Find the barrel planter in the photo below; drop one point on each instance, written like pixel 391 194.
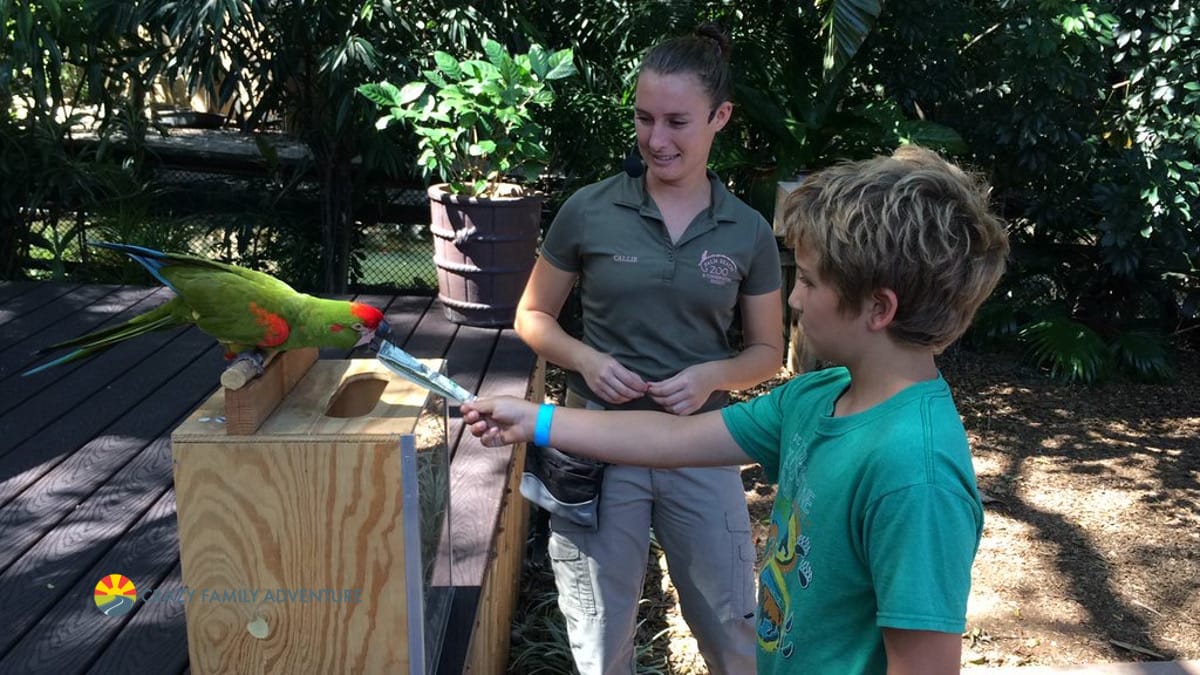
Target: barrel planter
pixel 484 249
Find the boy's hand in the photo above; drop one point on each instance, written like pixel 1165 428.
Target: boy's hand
pixel 684 392
pixel 502 420
pixel 611 381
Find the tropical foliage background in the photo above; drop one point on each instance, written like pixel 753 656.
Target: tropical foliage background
pixel 1085 117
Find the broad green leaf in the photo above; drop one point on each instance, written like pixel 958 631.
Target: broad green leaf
pixel 383 94
pixel 481 148
pixel 1070 349
pixel 448 65
pixel 846 25
pixel 539 62
pixel 496 53
pixel 561 64
pixel 411 92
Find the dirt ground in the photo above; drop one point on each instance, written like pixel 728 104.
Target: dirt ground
pixel 1091 545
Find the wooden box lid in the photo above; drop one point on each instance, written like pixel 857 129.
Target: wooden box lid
pixel 354 400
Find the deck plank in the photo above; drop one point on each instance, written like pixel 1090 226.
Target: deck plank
pixel 74 632
pixel 478 474
pixel 39 309
pixel 44 504
pixel 11 289
pixel 432 336
pixel 466 361
pixel 140 388
pixel 45 572
pixel 405 314
pixel 34 298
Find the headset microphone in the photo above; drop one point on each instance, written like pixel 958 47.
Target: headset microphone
pixel 633 165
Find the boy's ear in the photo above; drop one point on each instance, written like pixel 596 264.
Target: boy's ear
pixel 881 309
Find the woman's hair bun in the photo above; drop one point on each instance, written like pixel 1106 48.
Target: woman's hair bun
pixel 714 32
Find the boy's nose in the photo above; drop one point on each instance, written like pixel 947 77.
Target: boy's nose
pixel 793 300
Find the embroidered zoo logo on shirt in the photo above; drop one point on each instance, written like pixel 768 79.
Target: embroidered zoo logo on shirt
pixel 717 268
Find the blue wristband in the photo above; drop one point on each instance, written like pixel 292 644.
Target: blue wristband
pixel 541 428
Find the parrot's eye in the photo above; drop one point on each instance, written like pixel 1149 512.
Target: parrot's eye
pixel 358 326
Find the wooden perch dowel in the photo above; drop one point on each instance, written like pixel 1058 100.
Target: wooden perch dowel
pixel 242 371
pixel 247 407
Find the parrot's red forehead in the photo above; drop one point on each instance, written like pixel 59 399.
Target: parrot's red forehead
pixel 369 315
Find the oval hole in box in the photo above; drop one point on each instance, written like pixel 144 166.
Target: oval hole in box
pixel 356 396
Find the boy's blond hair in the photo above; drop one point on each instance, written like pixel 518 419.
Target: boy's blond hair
pixel 913 223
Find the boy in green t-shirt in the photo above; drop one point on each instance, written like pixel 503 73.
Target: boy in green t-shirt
pixel 877 518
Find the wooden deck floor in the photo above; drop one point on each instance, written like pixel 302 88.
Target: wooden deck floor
pixel 86 479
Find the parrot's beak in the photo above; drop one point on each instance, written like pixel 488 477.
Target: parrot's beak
pixel 373 338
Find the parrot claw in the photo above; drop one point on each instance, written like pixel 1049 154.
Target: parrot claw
pixel 254 357
pixel 244 367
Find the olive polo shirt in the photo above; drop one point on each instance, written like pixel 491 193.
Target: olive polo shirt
pixel 657 306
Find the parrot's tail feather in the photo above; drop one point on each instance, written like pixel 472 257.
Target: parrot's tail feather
pixel 159 318
pixel 77 354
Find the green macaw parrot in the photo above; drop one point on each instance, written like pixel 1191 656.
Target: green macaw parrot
pixel 243 309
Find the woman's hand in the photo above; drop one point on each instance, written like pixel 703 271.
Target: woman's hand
pixel 683 393
pixel 503 420
pixel 611 381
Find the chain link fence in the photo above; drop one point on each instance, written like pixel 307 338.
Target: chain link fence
pixel 246 218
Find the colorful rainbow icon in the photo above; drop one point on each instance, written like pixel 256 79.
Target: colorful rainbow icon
pixel 115 595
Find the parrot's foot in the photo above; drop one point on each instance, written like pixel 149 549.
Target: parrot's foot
pixel 244 367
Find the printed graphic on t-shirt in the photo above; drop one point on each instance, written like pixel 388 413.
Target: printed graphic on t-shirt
pixel 786 568
pixel 717 268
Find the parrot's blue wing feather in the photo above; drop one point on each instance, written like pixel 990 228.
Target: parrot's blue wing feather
pixel 147 257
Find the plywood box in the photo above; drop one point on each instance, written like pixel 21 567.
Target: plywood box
pixel 310 545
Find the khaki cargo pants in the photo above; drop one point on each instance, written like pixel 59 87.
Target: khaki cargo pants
pixel 700 519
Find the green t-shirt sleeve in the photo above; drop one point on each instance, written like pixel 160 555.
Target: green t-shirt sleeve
pixel 561 245
pixel 756 425
pixel 920 542
pixel 765 274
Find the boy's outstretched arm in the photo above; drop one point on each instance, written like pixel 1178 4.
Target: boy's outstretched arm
pixel 621 437
pixel 921 652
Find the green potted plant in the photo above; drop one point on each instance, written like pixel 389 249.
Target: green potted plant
pixel 477 134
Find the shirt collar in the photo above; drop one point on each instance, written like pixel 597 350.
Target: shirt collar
pixel 631 193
